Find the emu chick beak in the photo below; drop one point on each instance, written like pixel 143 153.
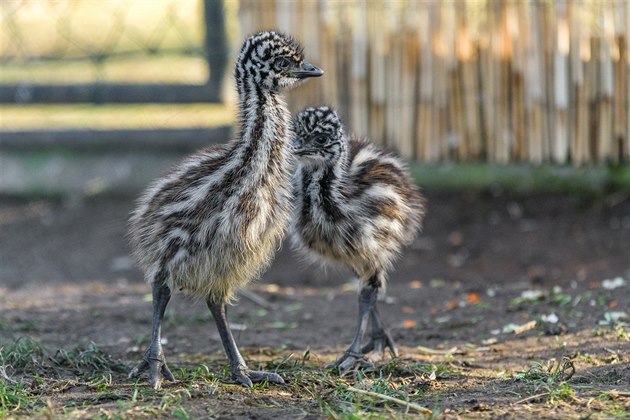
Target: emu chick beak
pixel 307 70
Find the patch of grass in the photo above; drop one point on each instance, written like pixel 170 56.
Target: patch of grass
pixel 550 378
pixel 90 357
pixel 522 178
pixel 22 325
pixel 391 387
pixel 612 406
pixel 200 373
pixel 622 331
pixel 23 353
pixel 13 397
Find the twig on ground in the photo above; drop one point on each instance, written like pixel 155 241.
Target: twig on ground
pixel 3 374
pixel 257 299
pixel 427 350
pixel 532 397
pixel 416 407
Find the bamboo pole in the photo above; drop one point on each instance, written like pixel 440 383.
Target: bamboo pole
pixel 507 21
pixel 548 36
pixel 408 82
pixel 359 67
pixel 561 92
pixel 468 54
pixel 284 16
pixel 626 14
pixel 489 88
pixel 519 43
pixel 456 146
pixel 343 50
pixel 440 94
pixel 267 14
pixel 327 52
pixel 605 115
pixel 579 51
pixel 463 52
pixel 425 140
pixel 591 86
pixel 622 91
pixel 377 51
pixel 627 101
pixel 534 90
pixel 394 71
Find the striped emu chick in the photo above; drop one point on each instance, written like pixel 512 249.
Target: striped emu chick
pixel 356 205
pixel 213 223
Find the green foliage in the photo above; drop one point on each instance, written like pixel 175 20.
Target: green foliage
pixel 13 397
pixel 551 378
pixel 23 353
pixel 88 358
pixel 521 178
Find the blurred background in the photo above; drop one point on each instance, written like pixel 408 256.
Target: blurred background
pixel 99 97
pixel 480 80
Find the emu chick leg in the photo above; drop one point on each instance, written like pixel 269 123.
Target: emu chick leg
pixel 153 358
pixel 240 372
pixel 353 356
pixel 380 339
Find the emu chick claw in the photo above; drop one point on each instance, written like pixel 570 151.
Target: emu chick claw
pixel 158 370
pixel 248 378
pixel 350 361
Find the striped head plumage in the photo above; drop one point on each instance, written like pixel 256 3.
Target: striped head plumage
pixel 272 61
pixel 319 136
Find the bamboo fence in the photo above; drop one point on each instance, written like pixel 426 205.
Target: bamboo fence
pixel 496 80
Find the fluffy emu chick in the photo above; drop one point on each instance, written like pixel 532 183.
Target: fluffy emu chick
pixel 355 205
pixel 213 223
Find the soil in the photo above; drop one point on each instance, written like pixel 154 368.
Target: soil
pixel 498 286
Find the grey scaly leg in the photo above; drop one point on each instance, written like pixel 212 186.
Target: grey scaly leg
pixel 153 358
pixel 353 356
pixel 380 339
pixel 240 372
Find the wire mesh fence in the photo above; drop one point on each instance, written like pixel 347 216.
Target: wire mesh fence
pixel 97 33
pixel 502 80
pixel 98 42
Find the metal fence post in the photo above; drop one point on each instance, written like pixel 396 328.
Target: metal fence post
pixel 216 44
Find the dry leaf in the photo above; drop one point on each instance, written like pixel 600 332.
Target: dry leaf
pixel 452 304
pixel 409 323
pixel 525 327
pixel 473 297
pixel 407 310
pixel 416 284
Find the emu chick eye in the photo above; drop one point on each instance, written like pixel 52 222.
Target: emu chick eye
pixel 282 63
pixel 320 140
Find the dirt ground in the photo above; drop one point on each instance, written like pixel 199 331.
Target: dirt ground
pixel 506 306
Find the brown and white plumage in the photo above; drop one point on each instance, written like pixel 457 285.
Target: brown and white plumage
pixel 355 205
pixel 213 223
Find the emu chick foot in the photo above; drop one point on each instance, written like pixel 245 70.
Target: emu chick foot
pixel 154 361
pixel 378 343
pixel 248 377
pixel 351 360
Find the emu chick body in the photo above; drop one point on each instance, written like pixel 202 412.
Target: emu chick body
pixel 355 205
pixel 213 223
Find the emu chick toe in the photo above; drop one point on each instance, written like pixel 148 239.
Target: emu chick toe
pixel 350 361
pixel 248 377
pixel 157 368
